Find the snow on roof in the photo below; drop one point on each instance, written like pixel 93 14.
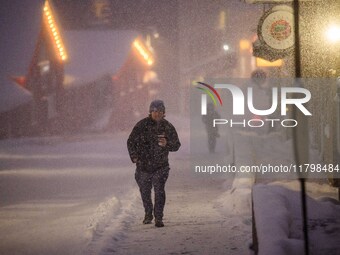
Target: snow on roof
pixel 95 53
pixel 13 96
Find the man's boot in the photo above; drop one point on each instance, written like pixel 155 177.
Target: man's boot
pixel 159 223
pixel 148 218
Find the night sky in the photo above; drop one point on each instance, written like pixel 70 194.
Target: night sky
pixel 126 14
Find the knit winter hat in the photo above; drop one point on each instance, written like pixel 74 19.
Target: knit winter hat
pixel 157 106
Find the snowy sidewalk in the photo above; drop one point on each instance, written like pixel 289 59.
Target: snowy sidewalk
pixel 195 220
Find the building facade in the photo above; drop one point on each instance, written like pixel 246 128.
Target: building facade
pixel 79 77
pixel 219 39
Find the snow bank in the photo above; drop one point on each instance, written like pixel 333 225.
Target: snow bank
pixel 278 222
pixel 237 200
pixel 319 191
pixel 102 215
pixel 110 222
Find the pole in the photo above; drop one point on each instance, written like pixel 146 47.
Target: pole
pixel 299 137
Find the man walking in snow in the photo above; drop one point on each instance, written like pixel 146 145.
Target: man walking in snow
pixel 149 144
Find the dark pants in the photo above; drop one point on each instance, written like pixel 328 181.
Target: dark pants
pixel 156 180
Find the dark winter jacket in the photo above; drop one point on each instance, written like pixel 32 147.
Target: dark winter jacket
pixel 143 144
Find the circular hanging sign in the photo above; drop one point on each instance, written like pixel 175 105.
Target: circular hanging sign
pixel 276 29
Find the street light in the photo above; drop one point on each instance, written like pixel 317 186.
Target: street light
pixel 332 43
pixel 333 33
pixel 225 47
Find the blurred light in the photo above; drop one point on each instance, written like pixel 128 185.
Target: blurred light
pixel 146 54
pixel 333 34
pixel 20 80
pixel 45 69
pixel 245 44
pixel 150 77
pixel 260 62
pixel 156 35
pixel 222 20
pixel 68 79
pixel 225 47
pixel 332 72
pixel 51 24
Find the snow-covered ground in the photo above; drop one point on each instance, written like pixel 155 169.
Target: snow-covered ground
pixel 57 193
pixel 77 195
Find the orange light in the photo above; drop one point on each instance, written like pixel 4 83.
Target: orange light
pixel 147 56
pixel 245 44
pixel 51 23
pixel 260 62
